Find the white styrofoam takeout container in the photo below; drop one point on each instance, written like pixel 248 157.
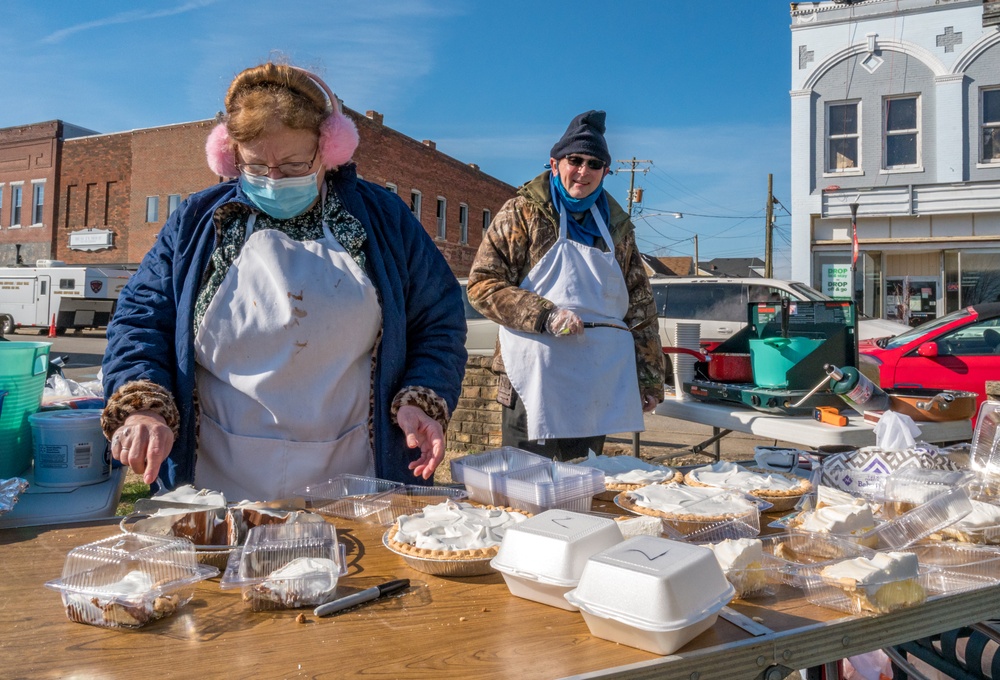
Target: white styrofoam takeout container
pixel 542 558
pixel 651 593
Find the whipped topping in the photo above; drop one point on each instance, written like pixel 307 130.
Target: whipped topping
pixel 193 496
pixel 693 500
pixel 853 518
pixel 919 485
pixel 739 553
pixel 305 580
pixel 872 573
pixel 983 516
pixel 733 476
pixel 133 583
pixel 628 469
pixel 827 495
pixel 456 526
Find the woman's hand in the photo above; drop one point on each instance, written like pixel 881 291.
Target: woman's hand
pixel 423 431
pixel 143 443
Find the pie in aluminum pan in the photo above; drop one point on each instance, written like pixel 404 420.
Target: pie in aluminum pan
pixel 782 489
pixel 624 472
pixel 453 531
pixel 687 508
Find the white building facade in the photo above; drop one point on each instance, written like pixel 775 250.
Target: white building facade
pixel 896 116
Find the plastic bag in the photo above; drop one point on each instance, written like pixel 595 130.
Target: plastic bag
pixel 896 432
pixel 58 387
pixel 871 666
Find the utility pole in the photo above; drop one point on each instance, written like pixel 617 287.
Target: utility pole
pixel 632 168
pixel 697 270
pixel 768 228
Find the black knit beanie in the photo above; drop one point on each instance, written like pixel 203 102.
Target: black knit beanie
pixel 585 135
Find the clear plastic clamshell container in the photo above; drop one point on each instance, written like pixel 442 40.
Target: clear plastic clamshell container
pixel 542 558
pixel 551 486
pixel 284 566
pixel 959 558
pixel 985 454
pixel 942 510
pixel 129 580
pixel 876 596
pixel 651 593
pixel 797 552
pixel 351 497
pixel 482 473
pixel 907 488
pixel 752 571
pixel 410 499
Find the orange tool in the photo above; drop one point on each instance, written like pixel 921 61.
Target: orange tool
pixel 829 415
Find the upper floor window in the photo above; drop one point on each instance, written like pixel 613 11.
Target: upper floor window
pixel 901 121
pixel 463 223
pixel 16 194
pixel 391 187
pixel 487 218
pixel 415 199
pixel 173 202
pixel 991 125
pixel 843 137
pixel 152 208
pixel 442 210
pixel 37 201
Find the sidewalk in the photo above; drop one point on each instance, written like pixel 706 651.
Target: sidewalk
pixel 665 436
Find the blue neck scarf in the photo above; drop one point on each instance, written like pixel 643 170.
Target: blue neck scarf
pixel 585 230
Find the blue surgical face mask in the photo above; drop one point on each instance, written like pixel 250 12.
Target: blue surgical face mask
pixel 281 198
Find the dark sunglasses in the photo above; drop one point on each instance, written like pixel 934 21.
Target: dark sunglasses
pixel 592 163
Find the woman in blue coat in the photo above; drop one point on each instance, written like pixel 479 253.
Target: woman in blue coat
pixel 319 326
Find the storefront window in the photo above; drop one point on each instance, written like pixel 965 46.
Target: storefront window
pixel 980 277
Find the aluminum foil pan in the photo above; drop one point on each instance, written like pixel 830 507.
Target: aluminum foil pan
pixel 442 567
pixel 10 490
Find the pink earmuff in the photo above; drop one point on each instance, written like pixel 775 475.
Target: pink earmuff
pixel 338 138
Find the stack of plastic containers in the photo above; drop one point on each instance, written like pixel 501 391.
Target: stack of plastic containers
pixel 482 473
pixel 553 485
pixel 126 581
pixel 283 566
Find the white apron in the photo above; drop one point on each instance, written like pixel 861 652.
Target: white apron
pixel 579 385
pixel 284 368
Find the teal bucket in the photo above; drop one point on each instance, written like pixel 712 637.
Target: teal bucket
pixel 771 358
pixel 23 369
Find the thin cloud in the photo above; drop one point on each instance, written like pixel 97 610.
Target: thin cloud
pixel 124 18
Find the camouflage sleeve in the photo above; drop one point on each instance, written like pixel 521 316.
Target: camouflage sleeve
pixel 496 274
pixel 642 310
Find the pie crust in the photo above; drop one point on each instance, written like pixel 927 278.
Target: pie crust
pixel 468 554
pixel 781 499
pixel 686 522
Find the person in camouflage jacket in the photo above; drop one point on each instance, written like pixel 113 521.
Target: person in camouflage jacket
pixel 521 233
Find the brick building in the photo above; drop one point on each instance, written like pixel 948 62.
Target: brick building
pixel 74 195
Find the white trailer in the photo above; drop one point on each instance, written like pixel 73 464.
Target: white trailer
pixel 79 297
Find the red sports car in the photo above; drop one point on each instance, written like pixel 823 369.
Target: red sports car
pixel 959 351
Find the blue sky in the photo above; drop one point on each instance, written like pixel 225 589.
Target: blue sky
pixel 699 88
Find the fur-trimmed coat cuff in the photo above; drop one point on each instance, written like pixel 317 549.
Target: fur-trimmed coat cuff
pixel 424 398
pixel 139 395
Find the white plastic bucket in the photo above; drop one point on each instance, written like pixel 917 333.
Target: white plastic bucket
pixel 70 448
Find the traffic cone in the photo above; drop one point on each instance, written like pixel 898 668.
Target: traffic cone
pixel 52 327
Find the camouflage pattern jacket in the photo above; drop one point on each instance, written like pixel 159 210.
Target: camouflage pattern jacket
pixel 526 227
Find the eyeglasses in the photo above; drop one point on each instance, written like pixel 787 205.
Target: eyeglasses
pixel 592 163
pixel 292 169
